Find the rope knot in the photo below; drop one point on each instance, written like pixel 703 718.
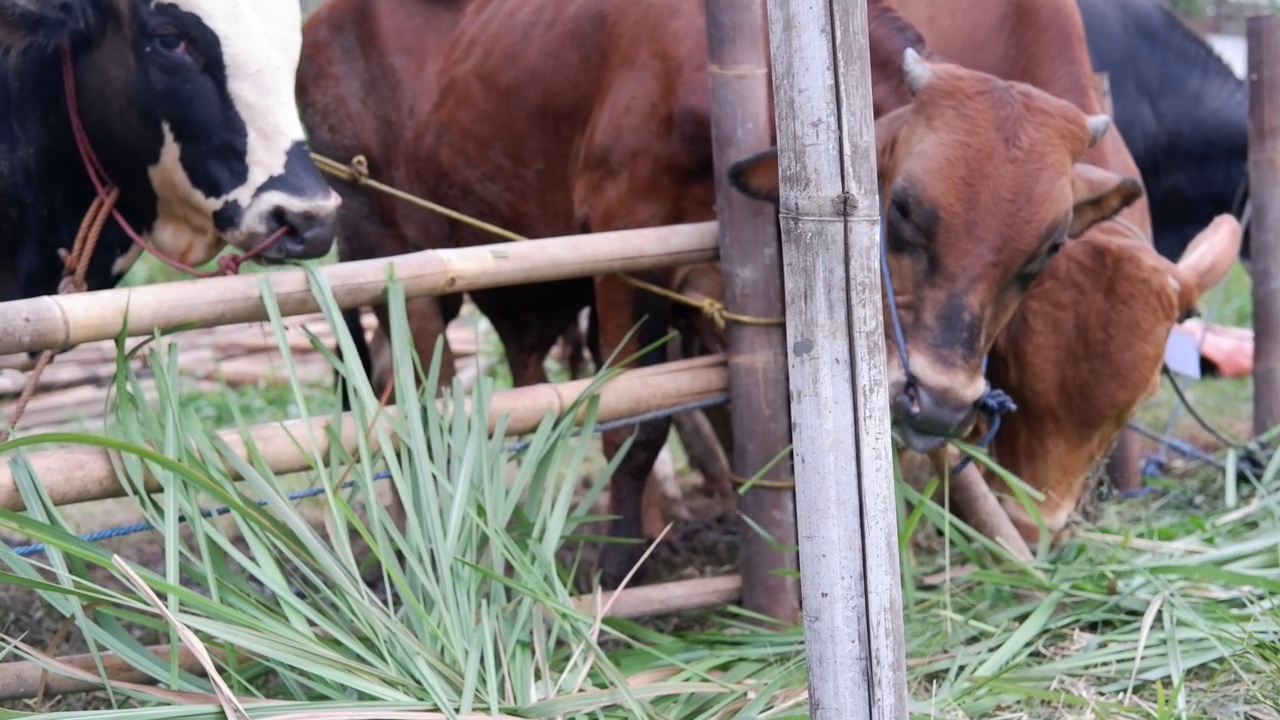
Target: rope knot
pixel 359 168
pixel 714 311
pixel 230 264
pixel 995 402
pixel 71 284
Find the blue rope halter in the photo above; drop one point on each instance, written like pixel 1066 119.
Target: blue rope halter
pixel 993 403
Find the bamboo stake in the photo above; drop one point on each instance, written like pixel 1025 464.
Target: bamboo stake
pixel 20 679
pixel 83 474
pixel 65 320
pixel 1263 32
pixel 741 126
pixel 829 216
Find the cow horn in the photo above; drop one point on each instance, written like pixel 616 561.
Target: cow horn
pixel 916 70
pixel 1098 125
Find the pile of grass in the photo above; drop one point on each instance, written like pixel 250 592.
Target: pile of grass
pixel 468 612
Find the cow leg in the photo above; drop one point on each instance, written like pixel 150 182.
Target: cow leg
pixel 528 336
pixel 351 318
pixel 697 435
pixel 427 321
pixel 619 308
pixel 1124 465
pixel 968 496
pixel 706 455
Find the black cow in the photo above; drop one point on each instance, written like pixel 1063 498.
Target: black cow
pixel 189 104
pixel 1181 110
pixel 32 22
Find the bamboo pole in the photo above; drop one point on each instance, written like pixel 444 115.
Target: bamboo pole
pixel 61 321
pixel 20 679
pixel 742 125
pixel 1263 33
pixel 829 215
pixel 83 474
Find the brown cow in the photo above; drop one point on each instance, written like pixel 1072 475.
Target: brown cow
pixel 622 141
pixel 1085 346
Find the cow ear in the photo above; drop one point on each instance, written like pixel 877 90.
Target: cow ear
pixel 888 129
pixel 1099 195
pixel 757 176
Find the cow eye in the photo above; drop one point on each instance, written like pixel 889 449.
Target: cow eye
pixel 899 210
pixel 170 43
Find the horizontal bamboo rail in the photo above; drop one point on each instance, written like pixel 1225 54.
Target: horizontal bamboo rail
pixel 20 679
pixel 83 474
pixel 61 321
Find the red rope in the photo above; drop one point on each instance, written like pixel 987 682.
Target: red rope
pixel 227 265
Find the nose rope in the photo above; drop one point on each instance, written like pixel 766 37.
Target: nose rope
pixel 227 265
pixel 993 403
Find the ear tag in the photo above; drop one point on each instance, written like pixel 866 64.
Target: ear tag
pixel 1182 353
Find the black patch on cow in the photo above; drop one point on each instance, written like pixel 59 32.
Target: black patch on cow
pixel 957 328
pixel 129 81
pixel 191 96
pixel 228 216
pixel 298 178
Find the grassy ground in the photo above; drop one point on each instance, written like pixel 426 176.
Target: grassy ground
pixel 985 612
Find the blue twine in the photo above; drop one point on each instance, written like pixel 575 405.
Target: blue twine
pixel 137 528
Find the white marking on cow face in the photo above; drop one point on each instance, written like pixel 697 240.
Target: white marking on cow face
pixel 241 188
pixel 184 228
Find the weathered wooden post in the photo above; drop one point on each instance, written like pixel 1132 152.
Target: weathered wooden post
pixel 742 125
pixel 830 220
pixel 1263 33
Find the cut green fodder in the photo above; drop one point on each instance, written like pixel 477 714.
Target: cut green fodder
pixel 468 610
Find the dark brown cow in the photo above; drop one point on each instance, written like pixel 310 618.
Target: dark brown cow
pixel 622 141
pixel 1086 343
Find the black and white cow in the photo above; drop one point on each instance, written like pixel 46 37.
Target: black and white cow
pixel 190 106
pixel 1182 112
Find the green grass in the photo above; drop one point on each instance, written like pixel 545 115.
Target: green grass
pixel 1165 611
pixel 148 270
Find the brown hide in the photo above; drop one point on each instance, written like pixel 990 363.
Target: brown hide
pixel 546 117
pixel 368 67
pixel 1086 346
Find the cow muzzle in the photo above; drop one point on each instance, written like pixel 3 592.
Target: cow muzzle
pixel 924 420
pixel 310 228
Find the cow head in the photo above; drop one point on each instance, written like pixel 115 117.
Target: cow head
pixel 981 185
pixel 190 106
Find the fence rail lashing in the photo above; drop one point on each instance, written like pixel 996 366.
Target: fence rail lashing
pixel 357 172
pixel 141 527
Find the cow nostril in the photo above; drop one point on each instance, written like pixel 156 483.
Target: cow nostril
pixel 310 234
pixel 908 402
pixel 932 413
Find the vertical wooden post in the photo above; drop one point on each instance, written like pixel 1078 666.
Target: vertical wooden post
pixel 1263 33
pixel 741 126
pixel 830 220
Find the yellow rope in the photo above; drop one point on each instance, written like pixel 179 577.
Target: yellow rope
pixel 358 173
